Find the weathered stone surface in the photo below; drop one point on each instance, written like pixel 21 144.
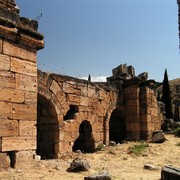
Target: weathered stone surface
pixel 24 112
pixel 27 128
pixel 30 97
pixel 19 51
pixel 5 161
pixel 8 128
pixel 11 95
pixel 17 143
pixel 4 62
pixel 170 173
pixel 143 76
pixel 7 80
pixel 26 83
pixel 158 137
pixel 6 110
pixel 112 143
pixel 24 159
pixel 54 87
pixel 78 165
pixel 23 67
pixel 150 167
pixel 103 175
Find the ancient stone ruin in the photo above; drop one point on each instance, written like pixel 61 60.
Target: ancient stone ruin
pixel 52 115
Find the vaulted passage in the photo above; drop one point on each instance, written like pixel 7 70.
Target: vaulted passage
pixel 117 126
pixel 47 129
pixel 85 141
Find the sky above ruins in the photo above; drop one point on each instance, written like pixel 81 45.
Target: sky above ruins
pixel 94 36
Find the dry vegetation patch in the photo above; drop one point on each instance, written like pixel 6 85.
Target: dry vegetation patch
pixel 120 160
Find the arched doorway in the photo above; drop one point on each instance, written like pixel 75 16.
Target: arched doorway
pixel 117 126
pixel 85 141
pixel 47 129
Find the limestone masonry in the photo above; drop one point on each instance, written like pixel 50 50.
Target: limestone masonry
pixel 52 115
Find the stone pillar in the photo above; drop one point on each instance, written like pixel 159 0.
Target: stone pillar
pixel 19 42
pixel 132 112
pixel 149 114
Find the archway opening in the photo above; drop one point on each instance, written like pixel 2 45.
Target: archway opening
pixel 47 129
pixel 117 126
pixel 85 141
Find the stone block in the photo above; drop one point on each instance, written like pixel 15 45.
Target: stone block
pixel 145 118
pixel 73 98
pixel 84 101
pixel 6 110
pixel 132 118
pixel 7 81
pixel 17 143
pixel 26 83
pixel 8 128
pixel 19 51
pixel 170 173
pixel 97 127
pixel 5 161
pixel 1 45
pixel 24 159
pixel 70 89
pixel 23 67
pixel 11 95
pixel 92 92
pixel 4 62
pixel 24 112
pixel 30 97
pixel 27 128
pixel 55 87
pixel 132 110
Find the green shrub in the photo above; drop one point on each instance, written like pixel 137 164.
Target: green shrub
pixel 176 132
pixel 138 148
pixel 100 147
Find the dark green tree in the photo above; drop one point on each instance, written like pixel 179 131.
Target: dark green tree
pixel 158 96
pixel 166 96
pixel 176 113
pixel 89 78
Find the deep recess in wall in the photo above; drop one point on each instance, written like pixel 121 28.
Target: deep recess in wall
pixel 47 129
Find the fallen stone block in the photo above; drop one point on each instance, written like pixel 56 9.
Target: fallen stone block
pixel 79 164
pixel 103 175
pixel 170 173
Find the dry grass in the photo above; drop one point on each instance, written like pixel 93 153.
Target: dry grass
pixel 121 164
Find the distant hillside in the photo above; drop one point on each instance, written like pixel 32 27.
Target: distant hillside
pixel 175 89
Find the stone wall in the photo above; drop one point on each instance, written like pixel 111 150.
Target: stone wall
pixel 52 115
pixel 75 101
pixel 19 42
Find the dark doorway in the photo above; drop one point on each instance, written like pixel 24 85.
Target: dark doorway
pixel 117 126
pixel 47 129
pixel 85 141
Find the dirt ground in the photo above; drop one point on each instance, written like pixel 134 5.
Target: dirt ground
pixel 121 164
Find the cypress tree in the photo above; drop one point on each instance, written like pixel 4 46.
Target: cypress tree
pixel 166 96
pixel 89 78
pixel 176 113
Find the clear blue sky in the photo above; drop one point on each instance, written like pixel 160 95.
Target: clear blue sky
pixel 94 36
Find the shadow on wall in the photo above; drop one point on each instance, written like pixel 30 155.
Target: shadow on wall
pixel 117 126
pixel 85 141
pixel 47 129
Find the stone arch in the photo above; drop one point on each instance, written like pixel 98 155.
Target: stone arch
pixel 85 142
pixel 117 126
pixel 47 129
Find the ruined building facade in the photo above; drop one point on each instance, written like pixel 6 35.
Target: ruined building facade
pixel 51 115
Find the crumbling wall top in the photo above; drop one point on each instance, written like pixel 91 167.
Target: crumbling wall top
pixel 19 29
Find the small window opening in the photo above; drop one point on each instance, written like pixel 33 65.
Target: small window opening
pixel 72 111
pixel 12 156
